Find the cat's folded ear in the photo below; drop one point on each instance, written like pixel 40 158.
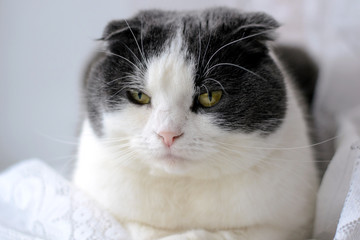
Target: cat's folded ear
pixel 251 27
pixel 258 25
pixel 120 29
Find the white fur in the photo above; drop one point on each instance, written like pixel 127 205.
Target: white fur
pixel 212 184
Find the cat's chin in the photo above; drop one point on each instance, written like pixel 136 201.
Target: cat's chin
pixel 170 164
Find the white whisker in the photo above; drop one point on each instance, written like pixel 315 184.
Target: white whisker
pixel 235 41
pixel 233 65
pixel 137 44
pixel 199 53
pixel 214 80
pixel 207 46
pixel 137 59
pixel 283 148
pixel 124 58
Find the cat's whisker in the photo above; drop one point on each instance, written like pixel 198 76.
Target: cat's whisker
pixel 124 58
pixel 123 153
pixel 130 79
pixel 236 41
pixel 137 59
pixel 116 79
pixel 121 137
pixel 261 155
pixel 207 90
pixel 64 164
pixel 279 147
pixel 247 155
pixel 115 142
pixel 115 139
pixel 233 65
pixel 128 86
pixel 141 39
pixel 262 162
pixel 118 147
pixel 236 165
pixel 265 164
pixel 303 161
pixel 116 93
pixel 199 51
pixel 124 159
pixel 207 46
pixel 137 44
pixel 55 139
pixel 214 80
pixel 123 162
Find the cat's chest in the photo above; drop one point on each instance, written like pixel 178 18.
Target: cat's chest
pixel 183 203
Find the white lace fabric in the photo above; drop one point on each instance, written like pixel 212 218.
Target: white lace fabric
pixel 338 203
pixel 38 204
pixel 349 224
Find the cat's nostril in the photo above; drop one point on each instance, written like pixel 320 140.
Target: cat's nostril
pixel 169 137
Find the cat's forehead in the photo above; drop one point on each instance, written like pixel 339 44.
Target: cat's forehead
pixel 170 76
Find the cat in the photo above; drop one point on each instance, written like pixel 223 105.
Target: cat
pixel 195 130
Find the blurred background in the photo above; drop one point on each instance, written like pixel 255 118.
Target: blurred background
pixel 45 45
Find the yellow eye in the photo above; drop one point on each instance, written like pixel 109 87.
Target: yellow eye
pixel 210 99
pixel 138 97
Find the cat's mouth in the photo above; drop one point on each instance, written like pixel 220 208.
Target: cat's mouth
pixel 172 163
pixel 171 157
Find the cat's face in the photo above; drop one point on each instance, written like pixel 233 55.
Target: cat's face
pixel 182 93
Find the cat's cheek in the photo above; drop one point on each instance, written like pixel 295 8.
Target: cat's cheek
pixel 127 122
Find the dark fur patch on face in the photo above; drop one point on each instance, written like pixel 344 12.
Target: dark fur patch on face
pixel 233 56
pixel 230 52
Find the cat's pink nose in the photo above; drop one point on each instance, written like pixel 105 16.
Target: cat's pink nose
pixel 169 137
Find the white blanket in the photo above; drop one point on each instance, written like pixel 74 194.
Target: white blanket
pixel 37 203
pixel 338 205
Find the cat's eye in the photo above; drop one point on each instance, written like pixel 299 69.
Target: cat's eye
pixel 138 97
pixel 210 99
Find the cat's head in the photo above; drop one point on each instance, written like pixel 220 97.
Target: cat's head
pixel 186 92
